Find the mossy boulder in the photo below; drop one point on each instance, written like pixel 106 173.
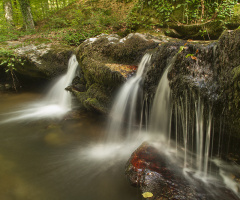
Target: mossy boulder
pixel 208 69
pixel 95 98
pixel 204 31
pixel 227 70
pixel 106 62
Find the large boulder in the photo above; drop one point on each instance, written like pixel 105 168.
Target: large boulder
pixel 45 61
pixel 227 73
pixel 202 69
pixel 32 65
pixel 154 172
pixel 203 31
pixel 106 62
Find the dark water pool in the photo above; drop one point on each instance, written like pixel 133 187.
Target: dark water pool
pixel 58 159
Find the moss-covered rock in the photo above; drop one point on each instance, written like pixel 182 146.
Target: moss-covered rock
pixel 209 69
pixel 227 70
pixel 95 98
pixel 106 62
pixel 205 31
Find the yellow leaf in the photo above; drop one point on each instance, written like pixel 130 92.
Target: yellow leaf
pixel 147 194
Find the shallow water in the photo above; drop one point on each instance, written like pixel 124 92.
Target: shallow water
pixel 51 159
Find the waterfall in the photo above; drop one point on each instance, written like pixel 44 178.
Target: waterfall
pixel 196 124
pixel 56 103
pixel 160 116
pixel 124 109
pixel 57 95
pixel 189 123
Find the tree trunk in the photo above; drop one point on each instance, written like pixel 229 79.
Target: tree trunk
pixel 7 4
pixel 46 5
pixel 27 14
pixel 64 3
pixel 57 4
pixel 45 8
pixel 202 5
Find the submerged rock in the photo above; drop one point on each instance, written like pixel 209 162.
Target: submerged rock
pixel 153 171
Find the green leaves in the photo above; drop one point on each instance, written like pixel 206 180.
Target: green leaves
pixel 189 55
pixel 192 9
pixel 9 60
pixel 181 49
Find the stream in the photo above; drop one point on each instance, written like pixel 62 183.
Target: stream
pixel 51 159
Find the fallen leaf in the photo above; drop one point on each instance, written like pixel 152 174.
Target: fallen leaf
pixel 147 194
pixel 194 58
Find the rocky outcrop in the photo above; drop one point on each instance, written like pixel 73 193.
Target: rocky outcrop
pixel 153 171
pixel 44 61
pixel 30 66
pixel 203 31
pixel 209 70
pixel 107 61
pixel 227 72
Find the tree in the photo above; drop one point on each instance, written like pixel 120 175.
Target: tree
pixel 45 8
pixel 27 14
pixel 7 4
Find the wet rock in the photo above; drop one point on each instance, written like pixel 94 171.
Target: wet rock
pixel 152 171
pixel 95 98
pixel 107 61
pixel 79 84
pixel 206 69
pixel 227 73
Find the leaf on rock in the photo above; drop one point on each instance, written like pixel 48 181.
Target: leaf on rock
pixel 147 194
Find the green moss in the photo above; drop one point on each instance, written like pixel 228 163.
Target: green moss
pixel 236 72
pixel 94 104
pixel 96 72
pixel 96 98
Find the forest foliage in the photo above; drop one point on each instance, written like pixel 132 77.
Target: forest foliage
pixel 72 21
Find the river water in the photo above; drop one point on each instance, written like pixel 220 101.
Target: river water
pixel 49 159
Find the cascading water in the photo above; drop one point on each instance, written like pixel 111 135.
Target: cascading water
pixel 161 116
pixel 161 109
pixel 120 139
pixel 56 103
pixel 195 129
pixel 192 136
pixel 125 105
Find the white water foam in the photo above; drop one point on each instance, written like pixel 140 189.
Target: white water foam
pixel 56 103
pixel 125 104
